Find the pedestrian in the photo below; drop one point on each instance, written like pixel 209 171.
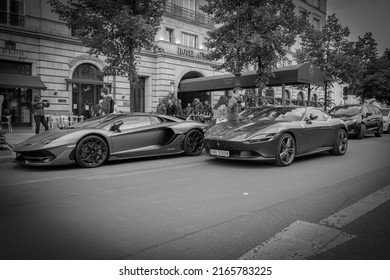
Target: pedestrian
pixel 97 109
pixel 188 110
pixel 207 110
pixel 108 103
pixel 116 108
pixel 171 108
pixel 232 108
pixel 39 113
pixel 160 109
pixel 179 109
pixel 198 107
pixel 219 113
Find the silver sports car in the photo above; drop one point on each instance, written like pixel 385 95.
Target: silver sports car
pixel 115 136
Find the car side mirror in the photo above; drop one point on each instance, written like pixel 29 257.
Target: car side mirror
pixel 116 125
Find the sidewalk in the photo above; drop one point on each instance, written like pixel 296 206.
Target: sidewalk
pixel 18 135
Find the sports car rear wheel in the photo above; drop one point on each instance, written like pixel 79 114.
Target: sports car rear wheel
pixel 193 143
pixel 91 151
pixel 341 144
pixel 285 150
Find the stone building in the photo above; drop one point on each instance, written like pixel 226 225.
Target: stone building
pixel 38 56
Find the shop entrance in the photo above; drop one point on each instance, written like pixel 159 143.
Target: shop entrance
pixel 16 103
pixel 87 81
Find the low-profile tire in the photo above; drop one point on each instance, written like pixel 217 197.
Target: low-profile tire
pixel 285 150
pixel 380 131
pixel 193 143
pixel 362 131
pixel 341 143
pixel 91 151
pixel 388 129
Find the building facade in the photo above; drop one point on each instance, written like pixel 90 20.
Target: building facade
pixel 38 56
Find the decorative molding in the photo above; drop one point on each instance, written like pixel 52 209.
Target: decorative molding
pixel 86 58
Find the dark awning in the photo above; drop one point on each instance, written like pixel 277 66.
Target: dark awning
pixel 298 74
pixel 21 81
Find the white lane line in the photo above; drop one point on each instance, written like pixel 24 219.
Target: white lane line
pixel 358 209
pixel 301 239
pixel 298 241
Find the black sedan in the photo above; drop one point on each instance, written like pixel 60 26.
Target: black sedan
pixel 115 136
pixel 278 134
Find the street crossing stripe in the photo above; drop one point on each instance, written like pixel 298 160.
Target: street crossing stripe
pixel 351 213
pixel 302 239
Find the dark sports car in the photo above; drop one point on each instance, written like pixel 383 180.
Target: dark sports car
pixel 277 134
pixel 115 136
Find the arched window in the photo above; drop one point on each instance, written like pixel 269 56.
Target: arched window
pixel 87 80
pixel 300 99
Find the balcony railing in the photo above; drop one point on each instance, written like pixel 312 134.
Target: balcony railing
pixel 188 14
pixel 11 19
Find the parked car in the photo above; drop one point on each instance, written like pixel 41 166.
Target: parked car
pixel 278 134
pixel 386 119
pixel 115 136
pixel 361 119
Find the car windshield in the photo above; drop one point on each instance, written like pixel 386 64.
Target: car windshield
pixel 94 122
pixel 252 112
pixel 347 111
pixel 385 112
pixel 281 114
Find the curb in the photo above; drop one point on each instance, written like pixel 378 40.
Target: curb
pixel 9 158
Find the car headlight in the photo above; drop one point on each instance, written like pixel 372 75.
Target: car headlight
pixel 353 121
pixel 258 138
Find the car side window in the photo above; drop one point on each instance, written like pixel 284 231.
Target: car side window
pixel 377 111
pixel 317 115
pixel 135 121
pixel 365 111
pixel 155 120
pixel 371 110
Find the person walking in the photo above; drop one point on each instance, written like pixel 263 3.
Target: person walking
pixel 39 113
pixel 232 108
pixel 107 106
pixel 198 107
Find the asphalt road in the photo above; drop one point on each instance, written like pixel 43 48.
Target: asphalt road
pixel 182 207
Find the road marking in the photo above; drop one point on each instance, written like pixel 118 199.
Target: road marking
pixel 302 239
pixel 351 213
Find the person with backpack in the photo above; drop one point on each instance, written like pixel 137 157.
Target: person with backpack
pixel 108 102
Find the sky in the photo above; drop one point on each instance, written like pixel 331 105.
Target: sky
pixel 362 16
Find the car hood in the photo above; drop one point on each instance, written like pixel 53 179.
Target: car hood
pixel 52 138
pixel 244 130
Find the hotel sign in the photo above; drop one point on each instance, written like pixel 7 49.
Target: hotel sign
pixel 191 53
pixel 10 49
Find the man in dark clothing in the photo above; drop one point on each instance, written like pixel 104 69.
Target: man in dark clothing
pixel 39 113
pixel 171 108
pixel 232 108
pixel 106 106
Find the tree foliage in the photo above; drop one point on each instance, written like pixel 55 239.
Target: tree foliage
pixel 116 29
pixel 265 30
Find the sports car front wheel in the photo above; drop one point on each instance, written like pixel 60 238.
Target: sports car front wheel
pixel 285 150
pixel 91 151
pixel 193 143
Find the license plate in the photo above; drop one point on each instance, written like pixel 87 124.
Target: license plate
pixel 220 153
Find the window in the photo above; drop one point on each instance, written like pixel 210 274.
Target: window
pixel 12 12
pixel 189 4
pixel 316 23
pixel 169 35
pixel 189 40
pixel 318 115
pixel 135 121
pixel 316 3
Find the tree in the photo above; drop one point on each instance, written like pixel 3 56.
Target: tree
pixel 325 48
pixel 251 32
pixel 376 81
pixel 116 29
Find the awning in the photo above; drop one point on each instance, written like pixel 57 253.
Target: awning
pixel 298 74
pixel 21 81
